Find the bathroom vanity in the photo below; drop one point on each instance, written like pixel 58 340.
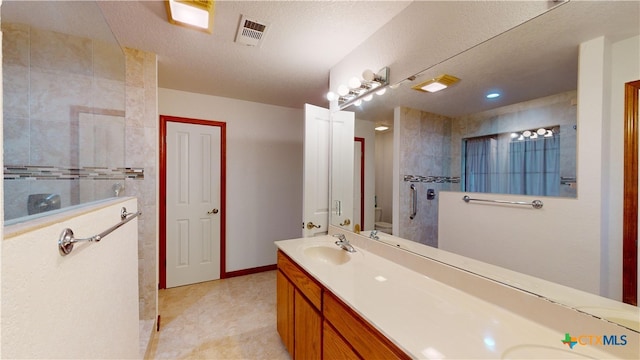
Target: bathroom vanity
pixel 384 302
pixel 314 323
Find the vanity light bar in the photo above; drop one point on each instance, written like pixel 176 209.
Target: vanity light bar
pixel 367 87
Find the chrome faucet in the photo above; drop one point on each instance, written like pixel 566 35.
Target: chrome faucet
pixel 374 235
pixel 344 243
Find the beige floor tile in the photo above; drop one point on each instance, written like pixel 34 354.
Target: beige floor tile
pixel 223 319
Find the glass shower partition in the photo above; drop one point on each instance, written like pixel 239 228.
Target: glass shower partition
pixel 64 108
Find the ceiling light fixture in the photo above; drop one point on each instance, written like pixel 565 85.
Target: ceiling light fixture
pixel 381 128
pixel 358 90
pixel 436 84
pixel 194 14
pixel 493 95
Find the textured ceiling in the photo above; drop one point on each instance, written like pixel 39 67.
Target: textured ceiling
pixel 308 39
pixel 291 67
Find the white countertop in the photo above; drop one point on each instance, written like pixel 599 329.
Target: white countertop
pixel 427 318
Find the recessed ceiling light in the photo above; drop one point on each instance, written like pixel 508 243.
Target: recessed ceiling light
pixel 381 128
pixel 195 14
pixel 437 84
pixel 493 95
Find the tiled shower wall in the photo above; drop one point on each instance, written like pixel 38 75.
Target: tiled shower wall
pixel 425 151
pixel 64 105
pixel 141 144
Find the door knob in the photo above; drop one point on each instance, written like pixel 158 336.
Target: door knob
pixel 214 211
pixel 311 225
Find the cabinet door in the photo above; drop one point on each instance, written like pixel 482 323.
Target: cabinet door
pixel 334 346
pixel 285 300
pixel 307 329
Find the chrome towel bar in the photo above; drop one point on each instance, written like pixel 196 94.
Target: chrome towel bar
pixel 66 241
pixel 536 204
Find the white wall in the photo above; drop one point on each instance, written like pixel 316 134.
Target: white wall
pixel 365 129
pixel 264 171
pixel 575 242
pixel 83 305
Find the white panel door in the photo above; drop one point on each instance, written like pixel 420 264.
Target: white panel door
pixel 193 203
pixel 315 201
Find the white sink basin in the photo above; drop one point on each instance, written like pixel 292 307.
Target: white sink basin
pixel 327 254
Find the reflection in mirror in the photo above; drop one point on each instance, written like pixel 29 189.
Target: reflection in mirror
pixel 534 68
pixel 527 148
pixel 64 72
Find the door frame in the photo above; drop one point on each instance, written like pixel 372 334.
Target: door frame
pixel 630 194
pixel 362 191
pixel 162 256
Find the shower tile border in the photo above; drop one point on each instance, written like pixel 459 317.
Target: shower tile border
pixel 30 172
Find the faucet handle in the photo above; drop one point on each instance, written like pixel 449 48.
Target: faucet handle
pixel 340 237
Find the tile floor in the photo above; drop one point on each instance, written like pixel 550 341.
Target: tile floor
pixel 224 319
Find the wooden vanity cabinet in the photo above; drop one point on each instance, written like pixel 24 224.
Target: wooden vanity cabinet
pixel 299 305
pixel 314 324
pixel 285 298
pixel 365 340
pixel 334 346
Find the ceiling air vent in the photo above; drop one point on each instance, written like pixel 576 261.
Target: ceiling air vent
pixel 250 32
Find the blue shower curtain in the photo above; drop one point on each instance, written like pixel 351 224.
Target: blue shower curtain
pixel 534 166
pixel 481 160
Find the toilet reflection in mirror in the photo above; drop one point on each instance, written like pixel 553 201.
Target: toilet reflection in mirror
pixel 380 225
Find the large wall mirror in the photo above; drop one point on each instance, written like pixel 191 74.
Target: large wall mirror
pixel 522 142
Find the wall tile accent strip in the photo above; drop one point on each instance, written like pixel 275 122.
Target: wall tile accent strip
pixel 432 179
pixel 28 172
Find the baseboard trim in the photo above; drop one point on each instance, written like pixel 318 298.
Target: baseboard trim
pixel 254 270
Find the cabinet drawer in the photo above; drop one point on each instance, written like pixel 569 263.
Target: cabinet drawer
pixel 301 280
pixel 334 347
pixel 368 342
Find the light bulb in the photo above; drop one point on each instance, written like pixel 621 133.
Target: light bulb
pixel 368 75
pixel 549 133
pixel 343 90
pixel 381 91
pixel 354 83
pixel 526 133
pixel 534 136
pixel 514 135
pixel 358 102
pixel 368 97
pixel 331 96
pixel 541 131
